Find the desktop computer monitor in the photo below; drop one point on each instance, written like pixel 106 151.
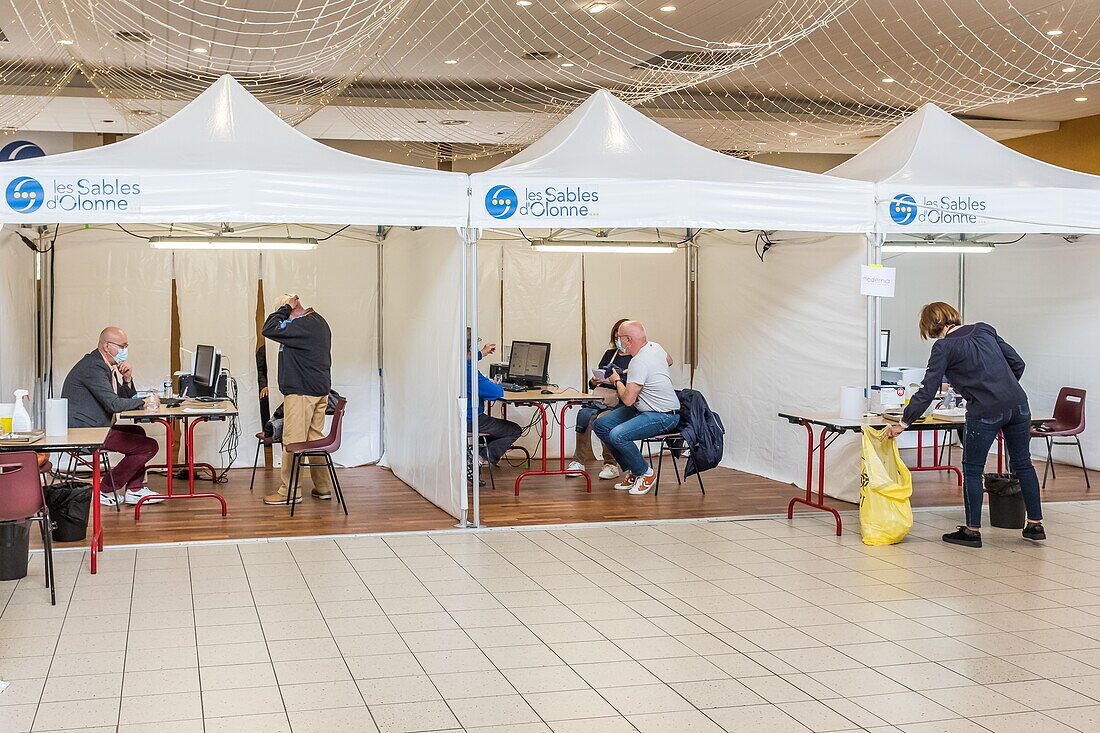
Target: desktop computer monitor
pixel 205 370
pixel 529 363
pixel 884 346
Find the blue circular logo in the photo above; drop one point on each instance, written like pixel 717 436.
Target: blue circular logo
pixel 501 202
pixel 903 209
pixel 20 150
pixel 25 195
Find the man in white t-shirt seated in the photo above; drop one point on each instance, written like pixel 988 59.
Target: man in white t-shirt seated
pixel 649 407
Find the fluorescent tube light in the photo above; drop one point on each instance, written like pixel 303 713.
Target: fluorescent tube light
pixel 959 249
pixel 226 243
pixel 619 247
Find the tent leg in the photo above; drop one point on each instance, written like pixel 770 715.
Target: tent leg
pixel 469 296
pixel 874 364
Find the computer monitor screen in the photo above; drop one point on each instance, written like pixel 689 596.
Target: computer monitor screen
pixel 884 346
pixel 206 369
pixel 529 362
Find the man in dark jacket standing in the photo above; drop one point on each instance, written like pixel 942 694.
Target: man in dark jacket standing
pixel 305 378
pixel 98 387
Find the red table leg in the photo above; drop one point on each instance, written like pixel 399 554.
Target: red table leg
pixel 936 465
pixel 562 471
pixel 97 526
pixel 189 451
pixel 809 500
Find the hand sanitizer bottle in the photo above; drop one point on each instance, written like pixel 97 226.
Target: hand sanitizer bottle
pixel 20 418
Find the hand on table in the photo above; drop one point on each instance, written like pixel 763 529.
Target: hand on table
pixel 152 402
pixel 894 431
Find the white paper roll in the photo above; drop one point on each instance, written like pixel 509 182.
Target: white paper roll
pixel 852 403
pixel 57 417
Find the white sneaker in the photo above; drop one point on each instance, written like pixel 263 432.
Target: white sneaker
pixel 574 466
pixel 107 498
pixel 627 483
pixel 610 471
pixel 643 484
pixel 133 497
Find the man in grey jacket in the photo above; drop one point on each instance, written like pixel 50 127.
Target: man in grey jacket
pixel 100 386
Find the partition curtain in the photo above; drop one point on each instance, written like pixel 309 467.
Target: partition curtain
pixel 1042 298
pixel 786 333
pixel 216 295
pixel 16 315
pixel 424 363
pixel 104 277
pixel 340 280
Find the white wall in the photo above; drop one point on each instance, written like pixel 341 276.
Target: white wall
pixel 423 343
pixel 1042 297
pixel 16 315
pixel 784 334
pixel 922 278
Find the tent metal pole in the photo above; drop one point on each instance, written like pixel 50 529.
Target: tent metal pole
pixel 874 360
pixel 470 295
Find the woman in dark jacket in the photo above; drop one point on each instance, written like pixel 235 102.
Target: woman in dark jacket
pixel 986 371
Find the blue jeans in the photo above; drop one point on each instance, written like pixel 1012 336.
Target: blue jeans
pixel 978 439
pixel 585 415
pixel 620 427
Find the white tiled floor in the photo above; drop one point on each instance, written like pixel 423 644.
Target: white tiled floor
pixel 762 625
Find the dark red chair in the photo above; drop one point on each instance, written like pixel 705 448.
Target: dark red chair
pixel 21 500
pixel 322 449
pixel 1068 422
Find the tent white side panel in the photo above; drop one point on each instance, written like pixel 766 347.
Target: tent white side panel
pixel 105 277
pixel 490 264
pixel 340 280
pixel 423 361
pixel 1041 296
pixel 784 334
pixel 647 288
pixel 922 278
pixel 542 294
pixel 216 293
pixel 16 315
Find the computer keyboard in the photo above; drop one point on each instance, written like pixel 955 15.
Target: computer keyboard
pixel 514 387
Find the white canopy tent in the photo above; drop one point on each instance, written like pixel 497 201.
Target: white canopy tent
pixel 936 174
pixel 225 157
pixel 606 166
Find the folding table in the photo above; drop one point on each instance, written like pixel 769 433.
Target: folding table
pixel 564 399
pixel 77 441
pixel 190 414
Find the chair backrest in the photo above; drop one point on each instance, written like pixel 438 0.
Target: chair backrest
pixel 20 486
pixel 331 442
pixel 1069 410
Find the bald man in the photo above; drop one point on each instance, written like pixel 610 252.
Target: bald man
pixel 648 406
pixel 100 386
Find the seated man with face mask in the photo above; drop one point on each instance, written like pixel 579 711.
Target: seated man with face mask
pixel 98 387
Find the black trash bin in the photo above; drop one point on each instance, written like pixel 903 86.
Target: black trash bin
pixel 70 504
pixel 15 540
pixel 1006 500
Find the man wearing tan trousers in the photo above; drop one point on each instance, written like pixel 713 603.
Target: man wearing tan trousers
pixel 305 378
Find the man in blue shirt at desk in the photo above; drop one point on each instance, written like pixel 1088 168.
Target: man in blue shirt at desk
pixel 500 434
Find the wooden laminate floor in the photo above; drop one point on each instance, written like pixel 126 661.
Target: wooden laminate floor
pixel 379 502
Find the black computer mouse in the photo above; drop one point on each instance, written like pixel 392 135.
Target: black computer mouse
pixel 547 391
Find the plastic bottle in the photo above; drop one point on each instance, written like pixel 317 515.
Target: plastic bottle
pixel 20 418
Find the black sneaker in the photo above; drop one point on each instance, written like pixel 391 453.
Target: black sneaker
pixel 1035 531
pixel 963 536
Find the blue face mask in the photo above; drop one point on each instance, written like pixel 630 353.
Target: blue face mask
pixel 122 355
pixel 619 346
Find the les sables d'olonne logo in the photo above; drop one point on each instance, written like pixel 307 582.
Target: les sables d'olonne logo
pixel 25 195
pixel 501 202
pixel 903 209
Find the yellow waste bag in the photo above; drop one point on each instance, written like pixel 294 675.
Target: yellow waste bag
pixel 885 515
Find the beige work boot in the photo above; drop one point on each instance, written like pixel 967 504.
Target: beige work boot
pixel 280 498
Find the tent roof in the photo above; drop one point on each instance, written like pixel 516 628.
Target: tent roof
pixel 642 174
pixel 227 157
pixel 936 156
